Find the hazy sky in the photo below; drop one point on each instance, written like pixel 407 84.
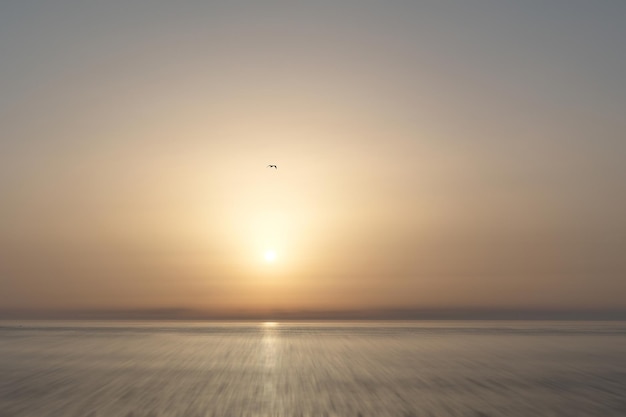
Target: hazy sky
pixel 431 154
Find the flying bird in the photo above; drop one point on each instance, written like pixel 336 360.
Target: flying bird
pixel 272 166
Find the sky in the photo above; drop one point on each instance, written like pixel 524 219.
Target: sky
pixel 431 155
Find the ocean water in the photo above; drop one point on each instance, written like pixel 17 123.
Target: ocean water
pixel 157 369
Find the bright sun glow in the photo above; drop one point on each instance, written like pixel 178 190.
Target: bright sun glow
pixel 270 256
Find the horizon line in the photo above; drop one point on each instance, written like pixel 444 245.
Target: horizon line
pixel 175 313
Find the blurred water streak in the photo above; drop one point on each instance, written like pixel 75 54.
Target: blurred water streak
pixel 136 369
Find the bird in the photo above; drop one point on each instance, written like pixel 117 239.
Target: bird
pixel 272 166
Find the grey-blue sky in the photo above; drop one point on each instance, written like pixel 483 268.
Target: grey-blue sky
pixel 499 125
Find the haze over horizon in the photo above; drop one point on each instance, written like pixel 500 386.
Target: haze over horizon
pixel 431 155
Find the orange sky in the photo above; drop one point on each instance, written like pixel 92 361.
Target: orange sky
pixel 429 156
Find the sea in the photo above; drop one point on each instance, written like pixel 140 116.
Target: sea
pixel 298 369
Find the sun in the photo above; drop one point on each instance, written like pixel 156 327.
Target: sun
pixel 270 255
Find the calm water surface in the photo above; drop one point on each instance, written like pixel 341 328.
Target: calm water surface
pixel 476 369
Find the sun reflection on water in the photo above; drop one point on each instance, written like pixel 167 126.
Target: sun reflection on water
pixel 269 362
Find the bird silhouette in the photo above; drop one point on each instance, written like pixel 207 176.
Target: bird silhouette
pixel 272 166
